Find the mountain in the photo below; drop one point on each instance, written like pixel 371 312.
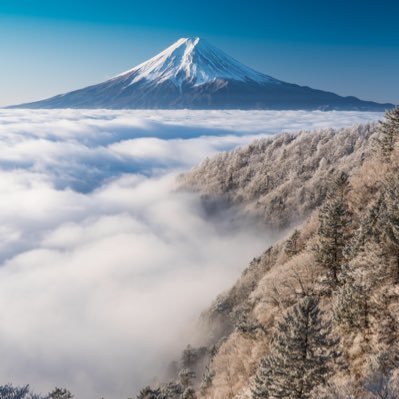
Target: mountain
pixel 335 194
pixel 194 74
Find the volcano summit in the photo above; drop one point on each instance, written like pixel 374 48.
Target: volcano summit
pixel 193 74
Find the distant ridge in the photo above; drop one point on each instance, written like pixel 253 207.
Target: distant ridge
pixel 192 73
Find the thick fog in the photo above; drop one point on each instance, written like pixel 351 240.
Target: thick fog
pixel 103 263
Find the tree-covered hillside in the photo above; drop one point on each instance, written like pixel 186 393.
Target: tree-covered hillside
pixel 285 177
pixel 316 315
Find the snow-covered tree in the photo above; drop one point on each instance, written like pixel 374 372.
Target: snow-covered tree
pixel 264 379
pixel 10 391
pixel 357 300
pixel 348 306
pixel 186 376
pixel 189 393
pixel 149 393
pixel 334 230
pixel 60 393
pixel 389 219
pixel 368 231
pixel 291 245
pixel 172 390
pixel 388 325
pixel 207 379
pixel 283 177
pixel 301 357
pixel 389 133
pixel 192 356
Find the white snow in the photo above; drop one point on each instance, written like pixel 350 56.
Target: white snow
pixel 195 61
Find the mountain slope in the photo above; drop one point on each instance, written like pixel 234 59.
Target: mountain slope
pixel 362 305
pixel 282 178
pixel 194 74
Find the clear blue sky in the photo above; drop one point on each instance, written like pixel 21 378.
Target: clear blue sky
pixel 350 47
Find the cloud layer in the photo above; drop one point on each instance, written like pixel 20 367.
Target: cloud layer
pixel 103 263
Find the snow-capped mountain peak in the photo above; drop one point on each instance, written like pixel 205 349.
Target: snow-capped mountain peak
pixel 195 61
pixel 192 73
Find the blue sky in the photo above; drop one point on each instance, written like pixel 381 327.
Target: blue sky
pixel 48 47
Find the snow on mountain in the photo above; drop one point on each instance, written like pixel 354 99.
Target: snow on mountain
pixel 195 61
pixel 192 73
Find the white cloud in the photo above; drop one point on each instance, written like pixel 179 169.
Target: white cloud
pixel 83 148
pixel 114 283
pixel 103 263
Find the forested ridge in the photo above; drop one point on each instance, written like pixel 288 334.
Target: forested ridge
pixel 283 178
pixel 317 315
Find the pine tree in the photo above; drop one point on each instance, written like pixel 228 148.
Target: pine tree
pixel 11 392
pixel 60 393
pixel 334 232
pixel 291 245
pixel 149 393
pixel 367 232
pixel 189 393
pixel 301 357
pixel 172 390
pixel 389 219
pixel 207 380
pixel 389 133
pixel 186 376
pixel 348 306
pixel 388 327
pixel 263 380
pixel 356 300
pixel 191 356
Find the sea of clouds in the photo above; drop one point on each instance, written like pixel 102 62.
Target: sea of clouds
pixel 104 263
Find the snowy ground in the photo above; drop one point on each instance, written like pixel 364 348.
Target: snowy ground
pixel 102 262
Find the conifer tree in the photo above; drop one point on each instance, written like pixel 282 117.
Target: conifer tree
pixel 291 246
pixel 191 356
pixel 189 393
pixel 389 133
pixel 348 306
pixel 172 390
pixel 367 232
pixel 389 319
pixel 389 219
pixel 186 377
pixel 356 300
pixel 10 391
pixel 207 379
pixel 301 357
pixel 149 393
pixel 263 380
pixel 334 231
pixel 60 393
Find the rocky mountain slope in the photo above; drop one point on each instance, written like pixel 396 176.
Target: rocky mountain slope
pixel 192 73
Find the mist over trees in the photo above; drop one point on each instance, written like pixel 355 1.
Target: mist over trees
pixel 10 391
pixel 340 189
pixel 315 316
